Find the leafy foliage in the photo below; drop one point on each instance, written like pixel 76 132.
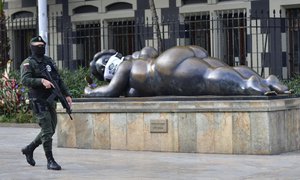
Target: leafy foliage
pixel 294 83
pixel 18 118
pixel 75 80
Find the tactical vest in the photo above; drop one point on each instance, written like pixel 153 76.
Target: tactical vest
pixel 38 71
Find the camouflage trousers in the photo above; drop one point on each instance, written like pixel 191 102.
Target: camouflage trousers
pixel 47 119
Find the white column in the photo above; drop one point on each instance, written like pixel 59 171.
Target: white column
pixel 43 21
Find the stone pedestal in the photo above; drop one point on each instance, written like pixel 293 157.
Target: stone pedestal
pixel 210 124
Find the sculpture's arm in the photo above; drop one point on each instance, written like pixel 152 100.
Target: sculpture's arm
pixel 117 85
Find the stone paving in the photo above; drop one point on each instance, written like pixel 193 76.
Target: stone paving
pixel 114 164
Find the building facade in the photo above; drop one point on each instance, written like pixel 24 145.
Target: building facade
pixel 262 34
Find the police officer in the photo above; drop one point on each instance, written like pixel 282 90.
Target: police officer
pixel 33 77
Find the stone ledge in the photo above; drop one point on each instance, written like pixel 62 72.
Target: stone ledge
pixel 195 104
pixel 258 126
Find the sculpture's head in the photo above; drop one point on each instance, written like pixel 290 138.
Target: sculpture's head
pixel 99 63
pixel 105 63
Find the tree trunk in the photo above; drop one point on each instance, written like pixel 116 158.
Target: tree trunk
pixel 156 24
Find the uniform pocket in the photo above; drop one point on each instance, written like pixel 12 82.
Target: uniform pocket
pixel 38 107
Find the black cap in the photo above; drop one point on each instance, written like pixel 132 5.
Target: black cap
pixel 37 39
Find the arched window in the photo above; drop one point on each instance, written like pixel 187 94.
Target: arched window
pixel 118 6
pixel 22 14
pixel 85 9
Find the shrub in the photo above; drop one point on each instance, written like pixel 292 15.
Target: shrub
pixel 294 83
pixel 75 80
pixel 18 118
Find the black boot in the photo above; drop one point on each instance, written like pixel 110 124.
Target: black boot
pixel 51 164
pixel 28 152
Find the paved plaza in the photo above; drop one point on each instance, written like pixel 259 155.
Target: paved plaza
pixel 114 164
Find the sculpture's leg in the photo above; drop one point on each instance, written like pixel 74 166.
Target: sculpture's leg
pixel 227 81
pixel 272 81
pixel 246 72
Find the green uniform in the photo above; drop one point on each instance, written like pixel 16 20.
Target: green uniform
pixel 32 72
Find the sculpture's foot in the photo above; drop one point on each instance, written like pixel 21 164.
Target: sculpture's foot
pixel 291 91
pixel 275 85
pixel 255 87
pixel 270 93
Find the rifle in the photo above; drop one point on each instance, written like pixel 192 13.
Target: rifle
pixel 56 92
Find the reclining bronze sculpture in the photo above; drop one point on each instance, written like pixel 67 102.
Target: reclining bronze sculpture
pixel 179 71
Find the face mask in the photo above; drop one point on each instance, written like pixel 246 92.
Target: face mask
pixel 39 51
pixel 112 66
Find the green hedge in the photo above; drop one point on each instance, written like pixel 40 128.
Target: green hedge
pixel 294 84
pixel 18 118
pixel 74 80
